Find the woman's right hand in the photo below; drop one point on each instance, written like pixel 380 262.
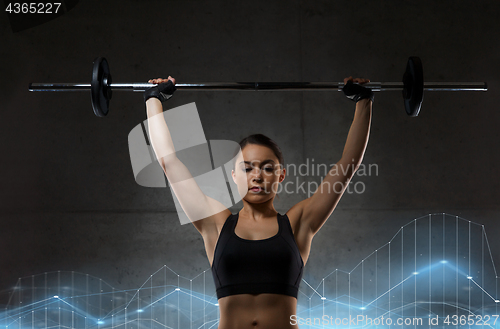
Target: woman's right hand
pixel 160 80
pixel 162 90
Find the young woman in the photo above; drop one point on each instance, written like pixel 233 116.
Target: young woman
pixel 257 255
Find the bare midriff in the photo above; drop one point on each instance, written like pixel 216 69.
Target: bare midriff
pixel 246 311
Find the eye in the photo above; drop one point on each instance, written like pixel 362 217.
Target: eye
pixel 268 169
pixel 247 169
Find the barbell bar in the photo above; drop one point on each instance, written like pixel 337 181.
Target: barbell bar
pixel 256 86
pixel 412 86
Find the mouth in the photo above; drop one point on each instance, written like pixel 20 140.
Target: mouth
pixel 256 189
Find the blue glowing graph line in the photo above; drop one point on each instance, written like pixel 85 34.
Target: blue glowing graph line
pixel 175 301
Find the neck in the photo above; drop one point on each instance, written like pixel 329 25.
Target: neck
pixel 258 211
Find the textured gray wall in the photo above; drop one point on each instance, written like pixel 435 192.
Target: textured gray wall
pixel 69 200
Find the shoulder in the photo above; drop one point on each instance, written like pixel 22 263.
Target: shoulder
pixel 222 218
pixel 212 225
pixel 295 213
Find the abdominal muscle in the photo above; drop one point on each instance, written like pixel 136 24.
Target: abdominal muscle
pixel 246 311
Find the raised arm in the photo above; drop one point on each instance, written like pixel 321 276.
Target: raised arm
pixel 159 134
pixel 315 210
pixel 199 208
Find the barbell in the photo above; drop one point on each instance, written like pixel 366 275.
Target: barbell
pixel 413 86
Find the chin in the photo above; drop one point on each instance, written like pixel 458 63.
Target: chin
pixel 258 198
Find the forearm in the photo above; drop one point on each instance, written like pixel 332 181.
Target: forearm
pixel 357 139
pixel 159 134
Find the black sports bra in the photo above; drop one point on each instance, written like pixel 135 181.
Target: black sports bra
pixel 272 265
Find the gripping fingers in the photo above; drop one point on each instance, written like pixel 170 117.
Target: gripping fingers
pixel 160 80
pixel 356 80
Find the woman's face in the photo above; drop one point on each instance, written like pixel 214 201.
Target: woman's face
pixel 257 173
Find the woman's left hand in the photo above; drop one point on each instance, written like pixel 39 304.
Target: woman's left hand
pixel 356 80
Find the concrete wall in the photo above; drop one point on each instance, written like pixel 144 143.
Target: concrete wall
pixel 69 200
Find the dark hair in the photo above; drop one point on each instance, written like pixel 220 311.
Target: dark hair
pixel 263 140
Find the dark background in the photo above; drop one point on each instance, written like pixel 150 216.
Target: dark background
pixel 69 200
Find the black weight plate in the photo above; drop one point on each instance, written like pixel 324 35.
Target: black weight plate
pixel 100 91
pixel 413 90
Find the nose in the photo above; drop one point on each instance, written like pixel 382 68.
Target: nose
pixel 256 174
pixel 257 179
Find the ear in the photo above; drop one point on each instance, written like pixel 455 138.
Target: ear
pixel 282 175
pixel 234 176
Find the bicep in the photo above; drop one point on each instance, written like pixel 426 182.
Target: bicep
pixel 197 206
pixel 323 202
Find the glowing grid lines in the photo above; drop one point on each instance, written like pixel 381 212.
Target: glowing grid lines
pixel 435 266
